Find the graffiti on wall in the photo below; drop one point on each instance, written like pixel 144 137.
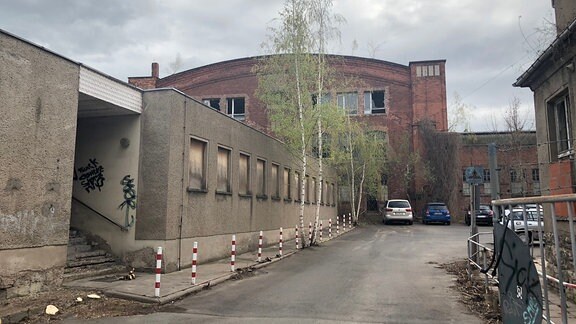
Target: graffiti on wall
pixel 520 291
pixel 91 176
pixel 129 198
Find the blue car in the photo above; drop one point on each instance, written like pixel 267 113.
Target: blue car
pixel 436 212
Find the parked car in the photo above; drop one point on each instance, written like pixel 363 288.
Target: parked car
pixel 436 212
pixel 533 217
pixel 398 210
pixel 484 215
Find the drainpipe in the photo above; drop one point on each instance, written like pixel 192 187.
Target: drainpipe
pixel 183 186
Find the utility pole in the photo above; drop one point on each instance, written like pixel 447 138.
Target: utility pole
pixel 494 177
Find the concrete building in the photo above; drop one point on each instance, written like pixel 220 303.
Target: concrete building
pixel 552 79
pixel 517 163
pixel 132 169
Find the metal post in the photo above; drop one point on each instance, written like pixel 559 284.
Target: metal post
pixel 473 227
pixel 559 265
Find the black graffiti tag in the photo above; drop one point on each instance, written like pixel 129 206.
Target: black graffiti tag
pixel 129 193
pixel 92 176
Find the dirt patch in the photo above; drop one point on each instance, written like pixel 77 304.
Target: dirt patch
pixel 31 309
pixel 477 300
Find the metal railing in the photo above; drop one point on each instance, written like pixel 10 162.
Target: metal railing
pixel 553 255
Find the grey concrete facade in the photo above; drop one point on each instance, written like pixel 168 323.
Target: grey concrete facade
pixel 39 92
pixel 170 210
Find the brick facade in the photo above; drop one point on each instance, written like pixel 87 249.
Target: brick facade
pixel 412 93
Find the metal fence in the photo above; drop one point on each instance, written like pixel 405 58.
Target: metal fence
pixel 549 246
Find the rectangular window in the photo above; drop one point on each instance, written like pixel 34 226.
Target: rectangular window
pixel 465 189
pixel 212 102
pixel 559 127
pixel 244 174
pixel 513 175
pixel 223 179
pixel 324 99
pixel 418 71
pixel 333 194
pixel 536 175
pixel 298 188
pixel 436 70
pixel 261 177
pixel 307 189
pixel 236 108
pixel 486 175
pixel 374 102
pixel 287 184
pixel 275 177
pixel 314 190
pixel 349 102
pixel 197 159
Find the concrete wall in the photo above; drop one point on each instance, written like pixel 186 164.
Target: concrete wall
pixel 39 92
pixel 170 120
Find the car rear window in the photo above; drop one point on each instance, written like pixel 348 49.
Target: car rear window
pixel 437 207
pixel 484 207
pixel 518 215
pixel 398 204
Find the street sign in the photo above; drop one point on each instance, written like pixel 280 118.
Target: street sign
pixel 474 175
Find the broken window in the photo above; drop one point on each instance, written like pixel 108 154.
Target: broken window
pixel 213 103
pixel 374 102
pixel 236 108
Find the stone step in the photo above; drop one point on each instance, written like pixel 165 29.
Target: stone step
pixel 87 254
pixel 90 261
pixel 73 249
pixel 93 271
pixel 78 240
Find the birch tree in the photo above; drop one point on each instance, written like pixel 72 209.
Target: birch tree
pixel 292 82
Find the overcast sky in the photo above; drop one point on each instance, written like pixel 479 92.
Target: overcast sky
pixel 487 44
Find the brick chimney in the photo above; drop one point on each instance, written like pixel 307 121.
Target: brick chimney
pixel 155 70
pixel 148 82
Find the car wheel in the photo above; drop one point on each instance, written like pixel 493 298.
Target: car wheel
pixel 424 222
pixel 410 222
pixel 448 223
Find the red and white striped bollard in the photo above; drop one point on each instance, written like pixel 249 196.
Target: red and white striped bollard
pixel 330 228
pixel 158 272
pixel 350 220
pixel 320 238
pixel 260 247
pixel 297 247
pixel 194 261
pixel 233 253
pixel 337 225
pixel 280 243
pixel 344 222
pixel 310 233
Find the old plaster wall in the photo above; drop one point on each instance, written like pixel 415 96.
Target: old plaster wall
pixel 106 178
pixel 39 92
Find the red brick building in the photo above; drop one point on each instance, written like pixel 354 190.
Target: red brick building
pixel 389 97
pixel 517 164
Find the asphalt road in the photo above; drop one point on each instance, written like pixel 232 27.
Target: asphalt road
pixel 374 274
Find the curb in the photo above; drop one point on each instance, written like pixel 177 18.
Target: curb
pixel 192 289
